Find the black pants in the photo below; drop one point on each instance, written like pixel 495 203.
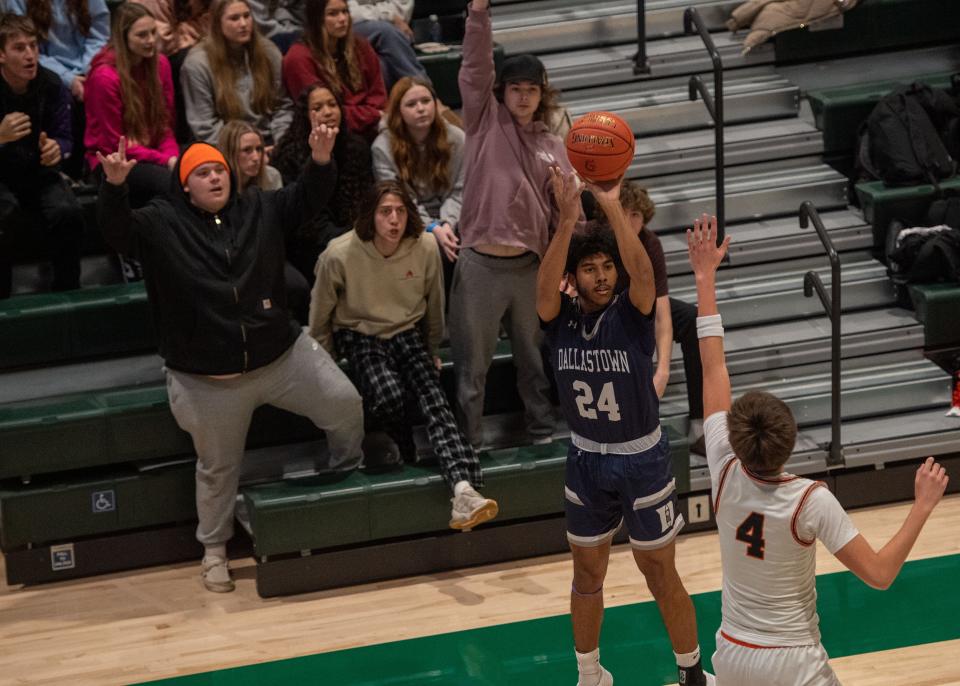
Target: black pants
pixel 56 216
pixel 386 372
pixel 684 316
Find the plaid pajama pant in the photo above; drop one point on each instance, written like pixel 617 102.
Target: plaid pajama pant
pixel 385 371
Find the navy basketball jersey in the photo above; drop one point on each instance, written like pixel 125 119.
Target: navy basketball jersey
pixel 604 371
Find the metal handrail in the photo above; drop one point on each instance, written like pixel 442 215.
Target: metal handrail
pixel 641 65
pixel 831 303
pixel 692 23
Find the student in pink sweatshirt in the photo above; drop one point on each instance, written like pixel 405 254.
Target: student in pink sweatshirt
pixel 506 222
pixel 130 93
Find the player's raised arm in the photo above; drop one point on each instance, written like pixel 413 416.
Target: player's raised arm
pixel 643 292
pixel 879 569
pixel 705 257
pixel 566 192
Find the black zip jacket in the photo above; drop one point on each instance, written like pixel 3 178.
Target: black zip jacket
pixel 215 282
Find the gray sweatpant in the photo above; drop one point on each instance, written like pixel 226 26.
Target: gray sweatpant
pixel 216 413
pixel 487 290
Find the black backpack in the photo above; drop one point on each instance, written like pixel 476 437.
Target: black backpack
pixel 926 255
pixel 902 141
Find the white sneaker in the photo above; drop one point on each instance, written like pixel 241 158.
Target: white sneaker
pixel 470 509
pixel 605 679
pixel 216 574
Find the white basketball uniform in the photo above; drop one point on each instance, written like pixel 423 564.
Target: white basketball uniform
pixel 768 527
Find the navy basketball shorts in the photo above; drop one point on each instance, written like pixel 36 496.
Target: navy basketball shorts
pixel 605 490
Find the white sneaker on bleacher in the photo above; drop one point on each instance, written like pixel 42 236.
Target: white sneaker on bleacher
pixel 470 509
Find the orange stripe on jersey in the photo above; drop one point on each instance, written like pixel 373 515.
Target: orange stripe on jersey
pixel 796 513
pixel 768 480
pixel 724 473
pixel 738 642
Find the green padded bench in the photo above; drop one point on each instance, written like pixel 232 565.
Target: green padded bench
pixel 839 112
pixel 97 428
pixel 938 307
pixel 52 327
pixel 874 25
pixel 326 512
pixel 909 204
pixel 56 510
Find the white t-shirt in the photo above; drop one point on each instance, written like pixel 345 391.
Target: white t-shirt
pixel 768 527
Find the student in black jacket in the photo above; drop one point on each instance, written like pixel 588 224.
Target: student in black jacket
pixel 213 266
pixel 34 137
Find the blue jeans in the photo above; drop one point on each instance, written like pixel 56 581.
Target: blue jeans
pixel 397 56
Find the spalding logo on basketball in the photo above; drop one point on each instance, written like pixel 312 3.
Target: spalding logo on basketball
pixel 600 146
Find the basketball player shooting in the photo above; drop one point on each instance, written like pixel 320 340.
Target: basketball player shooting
pixel 618 469
pixel 768 520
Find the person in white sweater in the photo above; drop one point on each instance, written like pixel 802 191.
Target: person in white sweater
pixel 378 302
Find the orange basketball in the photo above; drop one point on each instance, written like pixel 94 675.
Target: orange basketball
pixel 600 146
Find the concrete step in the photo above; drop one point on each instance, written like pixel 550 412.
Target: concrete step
pixel 554 25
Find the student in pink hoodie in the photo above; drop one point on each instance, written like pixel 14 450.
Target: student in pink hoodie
pixel 506 222
pixel 130 93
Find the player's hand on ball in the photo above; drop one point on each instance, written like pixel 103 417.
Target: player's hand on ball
pixel 567 189
pixel 930 483
pixel 322 139
pixel 705 255
pixel 607 193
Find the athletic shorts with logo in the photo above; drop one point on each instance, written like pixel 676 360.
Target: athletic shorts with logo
pixel 604 491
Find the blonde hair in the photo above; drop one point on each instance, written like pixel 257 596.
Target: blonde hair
pixel 225 70
pixel 229 144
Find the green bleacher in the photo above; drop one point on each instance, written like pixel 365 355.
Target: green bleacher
pixel 839 112
pixel 938 307
pixel 98 465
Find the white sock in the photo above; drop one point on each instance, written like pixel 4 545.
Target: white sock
pixel 685 660
pixel 460 487
pixel 218 550
pixel 696 429
pixel 589 663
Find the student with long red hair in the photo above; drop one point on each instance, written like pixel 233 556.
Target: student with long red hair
pixel 330 52
pixel 425 153
pixel 131 94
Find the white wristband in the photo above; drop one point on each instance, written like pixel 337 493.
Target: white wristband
pixel 709 326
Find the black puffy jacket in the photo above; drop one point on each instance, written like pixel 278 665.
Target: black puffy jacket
pixel 215 282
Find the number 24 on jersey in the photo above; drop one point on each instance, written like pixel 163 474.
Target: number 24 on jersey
pixel 606 403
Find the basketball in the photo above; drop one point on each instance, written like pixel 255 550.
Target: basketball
pixel 600 146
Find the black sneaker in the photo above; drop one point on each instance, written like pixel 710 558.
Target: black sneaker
pixel 695 676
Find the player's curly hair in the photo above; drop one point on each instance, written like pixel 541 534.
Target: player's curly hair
pixel 762 431
pixel 593 241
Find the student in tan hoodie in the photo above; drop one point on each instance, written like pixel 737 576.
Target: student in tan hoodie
pixel 378 301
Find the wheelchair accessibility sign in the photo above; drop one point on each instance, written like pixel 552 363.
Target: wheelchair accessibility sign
pixel 103 501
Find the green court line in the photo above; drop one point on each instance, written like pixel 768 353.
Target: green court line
pixel 923 606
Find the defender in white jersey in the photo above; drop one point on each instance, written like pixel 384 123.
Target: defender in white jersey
pixel 769 520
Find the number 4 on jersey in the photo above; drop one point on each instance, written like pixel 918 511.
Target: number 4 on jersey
pixel 606 403
pixel 750 532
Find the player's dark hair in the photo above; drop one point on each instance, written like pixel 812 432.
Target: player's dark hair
pixel 593 241
pixel 365 225
pixel 762 431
